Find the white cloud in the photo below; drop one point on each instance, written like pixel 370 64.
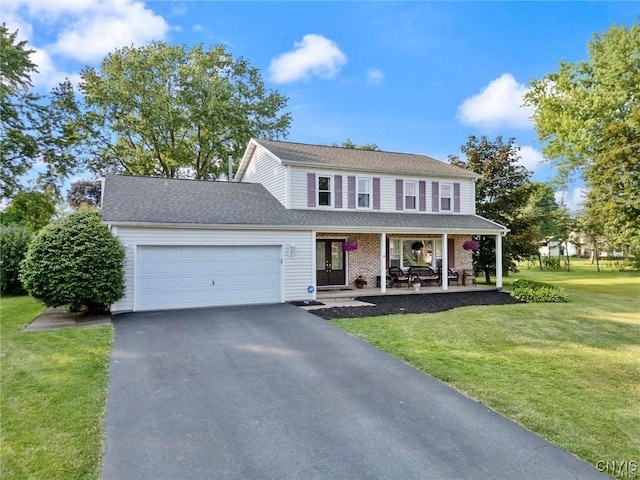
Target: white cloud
pixel 197 28
pixel 315 55
pixel 530 157
pixel 573 199
pixel 84 31
pixel 500 103
pixel 107 26
pixel 375 76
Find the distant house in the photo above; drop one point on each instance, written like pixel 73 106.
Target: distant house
pixel 297 218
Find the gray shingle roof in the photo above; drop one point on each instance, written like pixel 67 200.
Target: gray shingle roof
pixel 168 200
pixel 366 160
pixel 143 200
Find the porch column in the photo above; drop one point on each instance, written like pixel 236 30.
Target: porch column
pixel 314 283
pixel 499 261
pixel 383 262
pixel 444 271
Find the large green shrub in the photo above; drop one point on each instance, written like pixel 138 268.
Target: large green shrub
pixel 75 262
pixel 534 292
pixel 14 242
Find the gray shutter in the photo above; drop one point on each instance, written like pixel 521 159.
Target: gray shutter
pixel 456 197
pixel 399 195
pixel 351 191
pixel 376 193
pixel 435 196
pixel 422 192
pixel 337 180
pixel 311 189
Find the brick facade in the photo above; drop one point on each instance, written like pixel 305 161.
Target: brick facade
pixel 365 261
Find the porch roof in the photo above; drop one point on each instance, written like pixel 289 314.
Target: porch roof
pixel 378 222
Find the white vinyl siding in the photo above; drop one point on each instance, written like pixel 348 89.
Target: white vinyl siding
pixel 265 169
pixel 297 268
pixel 387 190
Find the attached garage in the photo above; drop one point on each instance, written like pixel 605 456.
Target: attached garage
pixel 173 276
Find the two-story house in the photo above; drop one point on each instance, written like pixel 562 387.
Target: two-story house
pixel 296 218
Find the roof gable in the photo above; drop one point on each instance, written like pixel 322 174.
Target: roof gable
pixel 324 156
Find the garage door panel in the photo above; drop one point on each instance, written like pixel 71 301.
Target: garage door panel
pixel 200 276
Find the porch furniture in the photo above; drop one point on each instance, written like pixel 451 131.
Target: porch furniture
pixel 398 276
pixel 468 274
pixel 426 274
pixel 451 276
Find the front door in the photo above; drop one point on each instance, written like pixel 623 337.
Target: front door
pixel 329 262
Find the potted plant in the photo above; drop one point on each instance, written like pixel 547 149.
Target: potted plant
pixel 472 245
pixel 360 282
pixel 350 244
pixel 417 283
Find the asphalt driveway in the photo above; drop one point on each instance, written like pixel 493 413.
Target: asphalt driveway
pixel 273 392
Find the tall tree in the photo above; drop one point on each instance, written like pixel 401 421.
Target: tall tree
pixel 502 193
pixel 84 192
pixel 19 109
pixel 29 209
pixel 365 146
pixel 541 210
pixel 177 112
pixel 588 115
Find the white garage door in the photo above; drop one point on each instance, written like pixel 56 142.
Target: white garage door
pixel 204 276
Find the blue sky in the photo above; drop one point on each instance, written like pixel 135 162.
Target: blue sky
pixel 416 77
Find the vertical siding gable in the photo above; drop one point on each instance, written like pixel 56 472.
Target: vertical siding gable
pixel 435 196
pixel 337 195
pixel 399 194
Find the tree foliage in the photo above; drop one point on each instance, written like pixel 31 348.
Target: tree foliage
pixel 35 130
pixel 588 115
pixel 31 209
pixel 502 194
pixel 75 262
pixel 365 146
pixel 14 241
pixel 176 112
pixel 84 192
pixel 19 109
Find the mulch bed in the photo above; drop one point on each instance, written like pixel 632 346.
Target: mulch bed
pixel 433 302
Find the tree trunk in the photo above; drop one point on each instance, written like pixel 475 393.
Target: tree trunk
pixel 539 259
pixel 595 250
pixel 566 255
pixel 487 274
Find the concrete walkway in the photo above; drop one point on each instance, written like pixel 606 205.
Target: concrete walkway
pixel 273 392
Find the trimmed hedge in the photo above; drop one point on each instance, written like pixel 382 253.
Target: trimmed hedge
pixel 536 292
pixel 75 262
pixel 14 242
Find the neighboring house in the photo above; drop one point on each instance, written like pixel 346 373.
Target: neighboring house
pixel 278 232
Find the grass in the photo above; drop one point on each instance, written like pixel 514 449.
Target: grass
pixel 52 401
pixel 569 372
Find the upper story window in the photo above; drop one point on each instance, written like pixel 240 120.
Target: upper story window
pixel 324 191
pixel 410 195
pixel 445 197
pixel 364 192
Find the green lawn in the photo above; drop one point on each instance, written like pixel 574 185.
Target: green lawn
pixel 52 400
pixel 570 372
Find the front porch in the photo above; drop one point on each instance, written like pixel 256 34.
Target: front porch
pixel 370 255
